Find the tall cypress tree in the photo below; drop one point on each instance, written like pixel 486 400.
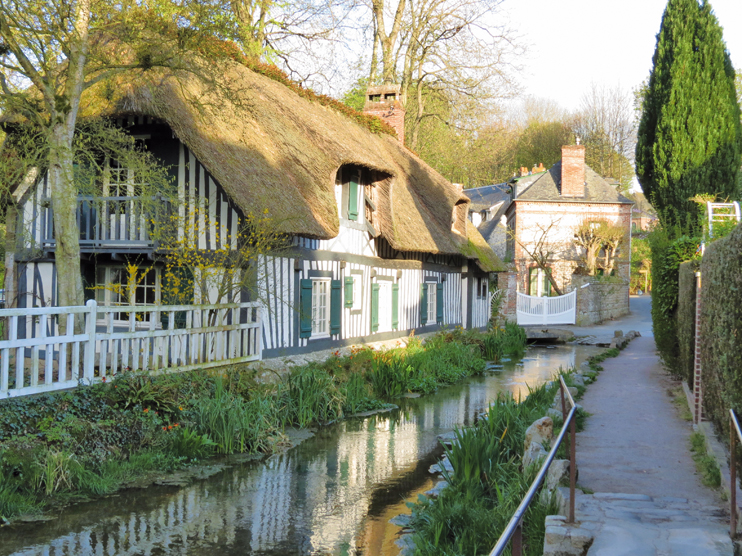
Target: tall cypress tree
pixel 690 138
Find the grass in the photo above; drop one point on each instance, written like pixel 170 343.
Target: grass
pixel 681 403
pixel 705 463
pixel 93 440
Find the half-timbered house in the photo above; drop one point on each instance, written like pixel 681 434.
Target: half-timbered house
pixel 381 242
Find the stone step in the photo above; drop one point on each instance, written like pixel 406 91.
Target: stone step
pixel 611 524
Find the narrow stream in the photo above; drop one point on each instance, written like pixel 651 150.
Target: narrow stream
pixel 332 494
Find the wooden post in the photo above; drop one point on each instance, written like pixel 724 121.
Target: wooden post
pixel 733 473
pixel 697 391
pixel 89 361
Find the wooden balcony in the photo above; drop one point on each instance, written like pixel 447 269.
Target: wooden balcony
pixel 110 224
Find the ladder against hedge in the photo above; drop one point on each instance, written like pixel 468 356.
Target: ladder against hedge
pixel 722 212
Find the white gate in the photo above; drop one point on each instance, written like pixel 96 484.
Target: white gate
pixel 547 310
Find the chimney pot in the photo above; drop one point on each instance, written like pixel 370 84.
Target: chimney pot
pixel 573 171
pixel 386 103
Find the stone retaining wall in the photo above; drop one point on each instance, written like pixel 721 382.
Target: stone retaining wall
pixel 599 300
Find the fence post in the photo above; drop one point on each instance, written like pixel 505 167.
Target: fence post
pixel 733 473
pixel 697 388
pixel 572 466
pixel 89 361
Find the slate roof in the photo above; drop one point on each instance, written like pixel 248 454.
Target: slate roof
pixel 547 187
pixel 482 198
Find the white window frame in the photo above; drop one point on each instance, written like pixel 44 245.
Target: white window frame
pixel 432 302
pixel 106 296
pixel 321 308
pixel 357 285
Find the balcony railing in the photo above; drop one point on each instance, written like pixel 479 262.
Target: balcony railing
pixel 110 222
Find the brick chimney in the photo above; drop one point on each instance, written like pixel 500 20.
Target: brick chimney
pixel 385 101
pixel 573 171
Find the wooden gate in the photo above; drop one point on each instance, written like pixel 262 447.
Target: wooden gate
pixel 547 310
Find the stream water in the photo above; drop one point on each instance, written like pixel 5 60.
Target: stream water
pixel 332 494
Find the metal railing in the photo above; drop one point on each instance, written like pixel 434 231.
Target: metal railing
pixel 734 435
pixel 514 529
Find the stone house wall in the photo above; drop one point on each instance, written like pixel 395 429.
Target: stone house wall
pixel 531 219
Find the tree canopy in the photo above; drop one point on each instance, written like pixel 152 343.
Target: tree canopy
pixel 689 139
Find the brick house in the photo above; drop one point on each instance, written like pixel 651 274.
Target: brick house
pixel 545 211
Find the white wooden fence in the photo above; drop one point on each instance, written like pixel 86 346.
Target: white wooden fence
pixel 547 310
pixel 36 357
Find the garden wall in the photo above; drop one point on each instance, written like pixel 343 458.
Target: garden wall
pixel 686 315
pixel 507 282
pixel 721 328
pixel 602 299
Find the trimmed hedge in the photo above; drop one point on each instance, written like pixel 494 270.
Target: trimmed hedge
pixel 721 328
pixel 686 315
pixel 667 255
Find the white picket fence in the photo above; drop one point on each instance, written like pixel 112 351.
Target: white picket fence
pixel 546 310
pixel 152 338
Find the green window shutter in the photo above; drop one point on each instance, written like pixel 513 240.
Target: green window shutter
pixel 395 306
pixel 547 284
pixel 336 306
pixel 439 303
pixel 424 304
pixel 349 291
pixel 374 307
pixel 353 199
pixel 305 309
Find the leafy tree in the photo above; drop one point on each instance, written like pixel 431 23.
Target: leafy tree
pixel 690 136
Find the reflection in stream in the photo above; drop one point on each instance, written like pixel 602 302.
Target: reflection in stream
pixel 333 494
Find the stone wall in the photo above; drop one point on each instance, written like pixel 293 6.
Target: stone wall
pixel 600 300
pixel 507 282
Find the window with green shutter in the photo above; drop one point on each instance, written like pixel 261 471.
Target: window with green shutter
pixel 305 309
pixel 374 307
pixel 336 305
pixel 423 304
pixel 395 306
pixel 439 303
pixel 348 292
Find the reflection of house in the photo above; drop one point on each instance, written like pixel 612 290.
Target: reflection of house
pixel 545 212
pixel 381 241
pixel 487 211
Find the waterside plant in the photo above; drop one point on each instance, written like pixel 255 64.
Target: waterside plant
pixel 94 440
pixel 488 481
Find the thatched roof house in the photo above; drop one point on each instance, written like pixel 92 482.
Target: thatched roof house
pixel 272 149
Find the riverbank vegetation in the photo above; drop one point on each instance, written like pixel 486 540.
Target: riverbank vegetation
pixel 94 440
pixel 488 481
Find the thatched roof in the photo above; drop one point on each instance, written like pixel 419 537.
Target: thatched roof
pixel 272 149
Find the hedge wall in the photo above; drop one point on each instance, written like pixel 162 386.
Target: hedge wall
pixel 686 315
pixel 721 328
pixel 667 256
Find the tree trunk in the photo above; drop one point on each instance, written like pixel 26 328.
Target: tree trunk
pixel 64 205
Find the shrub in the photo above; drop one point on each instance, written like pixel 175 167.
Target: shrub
pixel 721 323
pixel 187 443
pixel 686 319
pixel 667 256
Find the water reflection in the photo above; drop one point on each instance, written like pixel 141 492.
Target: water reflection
pixel 334 494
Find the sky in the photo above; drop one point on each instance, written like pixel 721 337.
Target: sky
pixel 574 43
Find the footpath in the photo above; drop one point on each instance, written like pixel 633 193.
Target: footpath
pixel 634 454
